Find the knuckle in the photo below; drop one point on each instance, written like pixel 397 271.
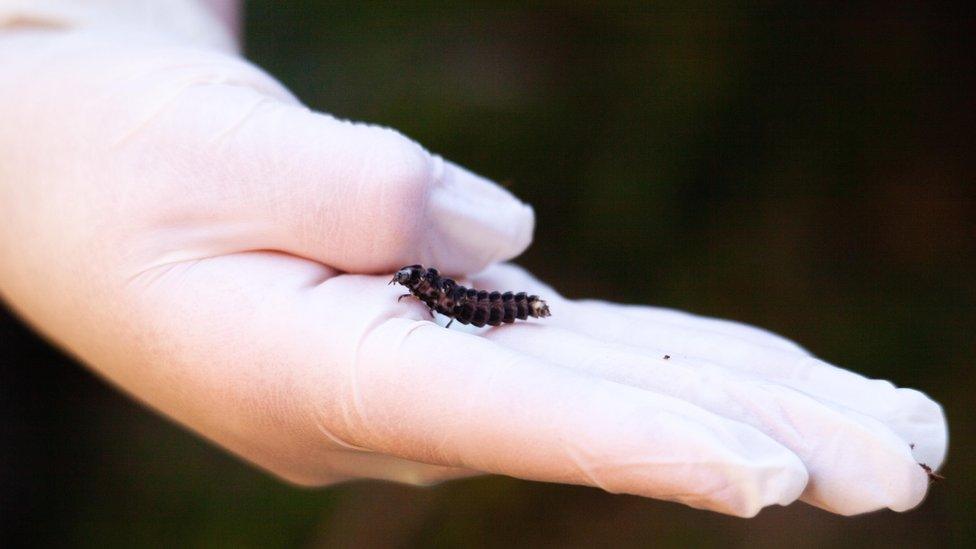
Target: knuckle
pixel 405 196
pixel 399 168
pixel 395 181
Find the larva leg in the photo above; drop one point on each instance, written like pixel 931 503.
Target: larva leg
pixel 403 296
pixel 449 323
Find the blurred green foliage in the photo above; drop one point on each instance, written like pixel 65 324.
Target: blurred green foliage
pixel 806 169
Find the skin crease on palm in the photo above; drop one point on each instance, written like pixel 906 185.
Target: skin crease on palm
pixel 181 224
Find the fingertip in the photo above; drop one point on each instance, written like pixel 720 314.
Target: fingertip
pixel 755 485
pixel 475 221
pixel 666 448
pixel 923 423
pixel 771 475
pixel 916 483
pixel 884 476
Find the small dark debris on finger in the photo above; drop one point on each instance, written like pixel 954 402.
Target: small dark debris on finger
pixel 933 476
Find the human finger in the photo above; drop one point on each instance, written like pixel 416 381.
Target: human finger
pixel 358 197
pixel 856 463
pixel 918 420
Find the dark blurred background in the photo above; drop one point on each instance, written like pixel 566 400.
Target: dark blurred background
pixel 807 169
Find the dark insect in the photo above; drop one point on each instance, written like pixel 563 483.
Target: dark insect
pixel 467 305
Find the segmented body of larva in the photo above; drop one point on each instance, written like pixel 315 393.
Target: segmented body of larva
pixel 468 305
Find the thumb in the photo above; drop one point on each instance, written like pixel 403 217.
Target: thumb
pixel 356 197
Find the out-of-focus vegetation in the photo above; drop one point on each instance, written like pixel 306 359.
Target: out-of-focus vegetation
pixel 809 170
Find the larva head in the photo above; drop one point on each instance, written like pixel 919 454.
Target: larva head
pixel 409 275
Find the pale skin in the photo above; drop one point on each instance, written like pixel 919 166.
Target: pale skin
pixel 183 226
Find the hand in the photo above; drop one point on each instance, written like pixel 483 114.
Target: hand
pixel 179 222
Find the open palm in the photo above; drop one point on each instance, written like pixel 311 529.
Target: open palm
pixel 184 226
